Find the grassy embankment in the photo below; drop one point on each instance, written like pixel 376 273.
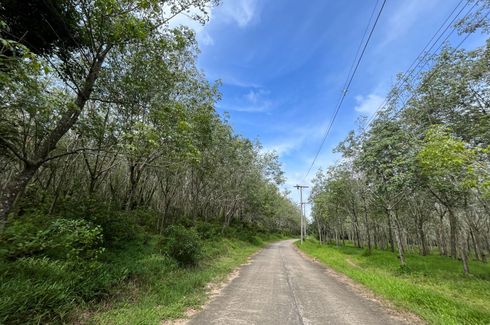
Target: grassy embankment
pixel 112 268
pixel 163 290
pixel 433 287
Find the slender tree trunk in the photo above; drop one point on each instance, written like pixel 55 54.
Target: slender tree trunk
pixel 442 241
pixel 366 221
pixel 356 227
pixel 453 233
pixel 464 255
pixel 398 237
pixel 319 231
pixel 423 243
pixel 390 232
pixel 476 247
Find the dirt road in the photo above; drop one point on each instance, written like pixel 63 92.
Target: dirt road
pixel 280 286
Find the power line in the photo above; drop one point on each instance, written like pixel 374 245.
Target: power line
pixel 424 53
pixel 433 72
pixel 345 90
pixel 360 44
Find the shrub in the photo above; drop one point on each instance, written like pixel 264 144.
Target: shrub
pixel 183 244
pixel 208 230
pixel 117 227
pixel 63 239
pixel 73 240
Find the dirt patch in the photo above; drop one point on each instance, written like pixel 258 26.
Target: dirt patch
pixel 351 263
pixel 394 311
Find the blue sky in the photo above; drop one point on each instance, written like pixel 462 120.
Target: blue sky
pixel 283 64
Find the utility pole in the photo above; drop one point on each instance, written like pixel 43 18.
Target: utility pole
pixel 301 203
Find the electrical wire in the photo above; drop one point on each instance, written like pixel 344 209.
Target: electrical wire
pixel 345 90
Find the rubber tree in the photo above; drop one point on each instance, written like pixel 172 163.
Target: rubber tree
pixel 102 26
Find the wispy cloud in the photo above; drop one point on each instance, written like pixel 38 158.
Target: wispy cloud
pixel 205 39
pixel 233 81
pixel 368 104
pixel 404 17
pixel 256 100
pixel 297 139
pixel 284 147
pixel 240 12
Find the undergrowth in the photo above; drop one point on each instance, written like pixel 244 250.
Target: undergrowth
pixel 433 286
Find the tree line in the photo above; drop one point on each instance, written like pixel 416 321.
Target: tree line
pixel 418 179
pixel 101 101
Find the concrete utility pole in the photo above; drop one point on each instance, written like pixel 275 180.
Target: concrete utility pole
pixel 301 203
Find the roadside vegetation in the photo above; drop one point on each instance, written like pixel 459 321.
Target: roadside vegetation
pixel 162 290
pixel 65 272
pixel 418 177
pixel 122 190
pixel 432 286
pixel 405 211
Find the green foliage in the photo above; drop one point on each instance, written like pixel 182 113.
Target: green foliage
pixel 207 230
pixel 63 239
pixel 45 289
pixel 46 270
pixel 182 244
pixel 73 240
pixel 447 160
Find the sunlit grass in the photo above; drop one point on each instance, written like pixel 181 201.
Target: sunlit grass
pixel 433 287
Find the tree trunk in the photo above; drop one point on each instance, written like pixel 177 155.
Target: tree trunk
pixel 368 230
pixel 13 189
pixel 390 232
pixel 133 182
pixel 19 182
pixel 453 232
pixel 442 237
pixel 398 237
pixel 319 231
pixel 464 256
pixel 476 247
pixel 423 243
pixel 356 227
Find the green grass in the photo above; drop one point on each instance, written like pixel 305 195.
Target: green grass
pixel 159 289
pixel 433 287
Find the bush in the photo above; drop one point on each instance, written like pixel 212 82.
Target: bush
pixel 208 230
pixel 63 239
pixel 73 240
pixel 117 226
pixel 183 244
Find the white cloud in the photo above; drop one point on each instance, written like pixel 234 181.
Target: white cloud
pixel 297 139
pixel 205 38
pixel 368 104
pixel 284 147
pixel 254 101
pixel 240 12
pixel 404 16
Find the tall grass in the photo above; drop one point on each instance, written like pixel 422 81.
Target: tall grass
pixel 433 287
